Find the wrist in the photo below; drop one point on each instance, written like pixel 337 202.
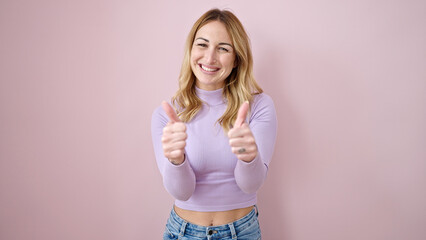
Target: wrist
pixel 177 161
pixel 249 159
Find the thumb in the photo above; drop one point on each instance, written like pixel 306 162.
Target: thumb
pixel 242 114
pixel 171 113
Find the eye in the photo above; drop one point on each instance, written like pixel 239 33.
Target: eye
pixel 223 49
pixel 203 45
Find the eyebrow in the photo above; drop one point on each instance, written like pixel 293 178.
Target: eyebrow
pixel 218 44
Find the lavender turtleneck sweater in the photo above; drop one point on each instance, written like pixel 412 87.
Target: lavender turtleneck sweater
pixel 212 178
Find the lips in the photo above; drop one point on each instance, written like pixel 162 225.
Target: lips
pixel 209 69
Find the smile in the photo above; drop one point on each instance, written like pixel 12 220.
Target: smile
pixel 207 69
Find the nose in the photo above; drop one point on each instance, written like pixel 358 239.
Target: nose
pixel 211 56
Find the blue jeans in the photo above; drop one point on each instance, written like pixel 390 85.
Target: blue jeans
pixel 246 228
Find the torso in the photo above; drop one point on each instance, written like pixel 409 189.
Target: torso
pixel 212 218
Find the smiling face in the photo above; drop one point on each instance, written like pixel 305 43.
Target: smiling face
pixel 212 56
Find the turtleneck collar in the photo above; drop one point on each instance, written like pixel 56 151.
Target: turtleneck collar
pixel 212 98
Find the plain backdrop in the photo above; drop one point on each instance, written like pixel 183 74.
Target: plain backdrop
pixel 79 81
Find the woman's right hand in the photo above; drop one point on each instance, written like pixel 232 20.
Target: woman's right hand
pixel 174 136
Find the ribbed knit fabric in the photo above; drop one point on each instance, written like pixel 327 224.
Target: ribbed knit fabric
pixel 212 178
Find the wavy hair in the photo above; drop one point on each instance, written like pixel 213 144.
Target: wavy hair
pixel 239 86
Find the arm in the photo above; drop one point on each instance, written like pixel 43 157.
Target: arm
pixel 179 180
pixel 252 167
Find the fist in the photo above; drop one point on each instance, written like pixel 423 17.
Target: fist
pixel 241 139
pixel 174 136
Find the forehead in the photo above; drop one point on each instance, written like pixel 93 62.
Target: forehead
pixel 214 31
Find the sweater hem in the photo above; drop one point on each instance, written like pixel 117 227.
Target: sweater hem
pixel 211 208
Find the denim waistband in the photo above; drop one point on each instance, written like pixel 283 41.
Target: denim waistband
pixel 189 229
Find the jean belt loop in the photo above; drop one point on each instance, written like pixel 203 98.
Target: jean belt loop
pixel 233 232
pixel 257 210
pixel 182 228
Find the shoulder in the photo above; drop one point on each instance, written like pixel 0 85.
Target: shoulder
pixel 261 101
pixel 262 105
pixel 262 98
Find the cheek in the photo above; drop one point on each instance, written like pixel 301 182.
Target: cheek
pixel 195 55
pixel 229 62
pixel 192 57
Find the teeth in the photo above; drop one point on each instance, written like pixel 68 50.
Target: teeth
pixel 208 69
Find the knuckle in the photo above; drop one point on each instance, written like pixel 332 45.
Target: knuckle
pixel 179 126
pixel 230 132
pixel 167 129
pixel 176 153
pixel 165 137
pixel 250 140
pixel 166 148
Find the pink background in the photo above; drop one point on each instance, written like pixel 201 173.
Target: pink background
pixel 80 79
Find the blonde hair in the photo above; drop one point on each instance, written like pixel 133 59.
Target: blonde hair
pixel 239 86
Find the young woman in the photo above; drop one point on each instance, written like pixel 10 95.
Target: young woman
pixel 214 150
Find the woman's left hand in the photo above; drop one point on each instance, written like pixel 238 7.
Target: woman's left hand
pixel 241 138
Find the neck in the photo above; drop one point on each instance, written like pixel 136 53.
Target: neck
pixel 214 97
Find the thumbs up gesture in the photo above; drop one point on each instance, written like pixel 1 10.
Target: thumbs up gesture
pixel 174 136
pixel 241 139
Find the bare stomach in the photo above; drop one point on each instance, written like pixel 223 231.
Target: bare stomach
pixel 212 218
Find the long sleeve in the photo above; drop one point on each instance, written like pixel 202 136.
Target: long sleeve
pixel 263 124
pixel 211 178
pixel 179 180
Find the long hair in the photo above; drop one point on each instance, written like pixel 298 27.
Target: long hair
pixel 239 86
